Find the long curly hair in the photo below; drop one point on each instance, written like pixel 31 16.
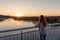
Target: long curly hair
pixel 42 20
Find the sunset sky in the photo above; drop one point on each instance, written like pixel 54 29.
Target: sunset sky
pixel 30 7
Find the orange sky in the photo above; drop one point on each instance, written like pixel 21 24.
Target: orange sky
pixel 30 7
pixel 32 14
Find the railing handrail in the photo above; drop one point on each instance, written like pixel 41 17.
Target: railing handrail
pixel 23 28
pixel 17 29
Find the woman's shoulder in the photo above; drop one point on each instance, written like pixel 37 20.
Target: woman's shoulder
pixel 37 24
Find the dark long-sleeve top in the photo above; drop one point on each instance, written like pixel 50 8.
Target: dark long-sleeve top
pixel 42 29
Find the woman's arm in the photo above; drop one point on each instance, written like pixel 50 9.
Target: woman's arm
pixel 37 24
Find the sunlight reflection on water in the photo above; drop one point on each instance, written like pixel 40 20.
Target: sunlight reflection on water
pixel 12 24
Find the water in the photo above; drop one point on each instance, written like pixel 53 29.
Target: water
pixel 9 24
pixel 13 24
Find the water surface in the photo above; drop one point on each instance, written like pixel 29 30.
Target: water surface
pixel 13 24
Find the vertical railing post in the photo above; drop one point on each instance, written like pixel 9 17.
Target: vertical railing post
pixel 21 35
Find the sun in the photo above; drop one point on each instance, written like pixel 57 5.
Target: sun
pixel 18 14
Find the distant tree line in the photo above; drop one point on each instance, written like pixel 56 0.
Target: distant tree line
pixel 53 19
pixel 50 19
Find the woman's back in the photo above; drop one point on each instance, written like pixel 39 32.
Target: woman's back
pixel 41 28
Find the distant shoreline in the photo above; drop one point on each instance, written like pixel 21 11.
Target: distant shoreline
pixel 50 19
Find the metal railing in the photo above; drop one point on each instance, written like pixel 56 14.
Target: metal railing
pixel 52 33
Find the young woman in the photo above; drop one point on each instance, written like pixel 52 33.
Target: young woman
pixel 41 26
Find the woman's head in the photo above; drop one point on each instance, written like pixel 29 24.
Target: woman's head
pixel 42 20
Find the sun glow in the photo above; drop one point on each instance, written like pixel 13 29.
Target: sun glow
pixel 18 14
